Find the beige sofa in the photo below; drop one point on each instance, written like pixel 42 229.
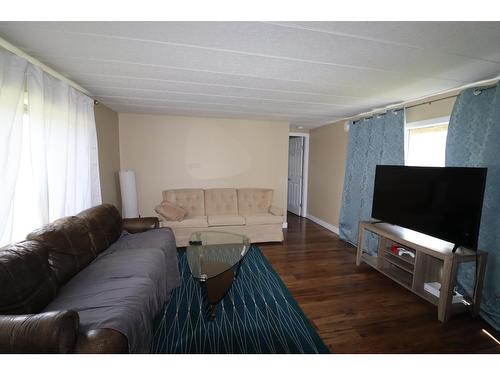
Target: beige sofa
pixel 242 211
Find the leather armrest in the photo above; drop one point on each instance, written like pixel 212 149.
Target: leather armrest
pixel 277 211
pixel 140 224
pixel 50 332
pixel 101 341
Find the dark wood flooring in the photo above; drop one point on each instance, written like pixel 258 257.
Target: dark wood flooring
pixel 357 309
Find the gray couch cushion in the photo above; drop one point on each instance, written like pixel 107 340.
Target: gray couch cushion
pixel 125 287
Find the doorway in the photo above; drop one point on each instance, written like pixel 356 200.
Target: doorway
pixel 298 160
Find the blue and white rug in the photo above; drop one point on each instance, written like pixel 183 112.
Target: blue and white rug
pixel 258 315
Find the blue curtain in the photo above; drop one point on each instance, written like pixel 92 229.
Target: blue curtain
pixel 474 141
pixel 372 141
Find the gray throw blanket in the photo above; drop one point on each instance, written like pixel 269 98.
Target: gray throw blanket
pixel 125 287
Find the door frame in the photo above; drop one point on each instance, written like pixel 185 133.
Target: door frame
pixel 305 170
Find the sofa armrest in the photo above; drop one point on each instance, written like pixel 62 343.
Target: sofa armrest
pixel 140 224
pixel 277 211
pixel 50 332
pixel 101 341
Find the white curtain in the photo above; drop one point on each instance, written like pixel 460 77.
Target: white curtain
pixel 12 83
pixel 49 160
pixel 65 154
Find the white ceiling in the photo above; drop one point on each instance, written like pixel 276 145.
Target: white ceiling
pixel 307 73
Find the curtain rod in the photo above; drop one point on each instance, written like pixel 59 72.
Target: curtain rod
pixel 431 101
pixel 408 106
pixel 484 87
pixel 16 51
pixel 405 103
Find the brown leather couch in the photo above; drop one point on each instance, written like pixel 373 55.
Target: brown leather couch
pixel 32 272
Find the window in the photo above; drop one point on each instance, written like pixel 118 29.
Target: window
pixel 426 142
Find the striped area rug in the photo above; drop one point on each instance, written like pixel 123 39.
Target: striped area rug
pixel 258 315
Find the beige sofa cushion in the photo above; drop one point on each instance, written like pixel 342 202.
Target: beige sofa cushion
pixel 192 200
pixel 259 219
pixel 216 220
pixel 170 211
pixel 221 202
pixel 192 222
pixel 253 201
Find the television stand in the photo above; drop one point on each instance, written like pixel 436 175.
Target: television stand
pixel 431 274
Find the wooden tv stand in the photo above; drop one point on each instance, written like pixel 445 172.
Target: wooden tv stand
pixel 434 261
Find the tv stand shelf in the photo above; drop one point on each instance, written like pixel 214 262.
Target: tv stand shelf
pixel 434 261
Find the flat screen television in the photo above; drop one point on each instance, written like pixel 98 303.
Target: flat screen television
pixel 441 202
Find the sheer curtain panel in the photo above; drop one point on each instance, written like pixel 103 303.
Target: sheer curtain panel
pixel 65 150
pixel 12 83
pixel 48 151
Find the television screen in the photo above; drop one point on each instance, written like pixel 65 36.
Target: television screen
pixel 442 202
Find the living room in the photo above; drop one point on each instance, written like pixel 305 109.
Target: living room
pixel 241 185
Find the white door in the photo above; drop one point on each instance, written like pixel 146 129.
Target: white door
pixel 295 164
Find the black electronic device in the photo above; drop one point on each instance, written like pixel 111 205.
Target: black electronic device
pixel 443 202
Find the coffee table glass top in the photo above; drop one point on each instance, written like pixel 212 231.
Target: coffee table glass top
pixel 211 253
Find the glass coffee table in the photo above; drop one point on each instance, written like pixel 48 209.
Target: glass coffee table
pixel 214 259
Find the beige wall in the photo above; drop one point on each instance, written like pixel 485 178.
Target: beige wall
pixel 107 127
pixel 327 154
pixel 168 152
pixel 297 130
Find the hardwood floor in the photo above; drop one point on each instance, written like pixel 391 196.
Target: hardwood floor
pixel 357 309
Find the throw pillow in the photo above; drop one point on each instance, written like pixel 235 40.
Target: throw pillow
pixel 170 211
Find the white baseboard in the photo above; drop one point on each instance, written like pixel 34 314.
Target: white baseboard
pixel 285 225
pixel 324 224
